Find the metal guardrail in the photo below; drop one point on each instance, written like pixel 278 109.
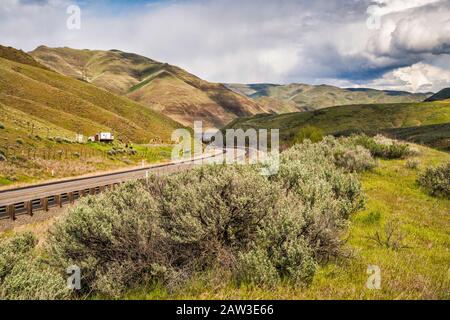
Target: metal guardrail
pixel 29 204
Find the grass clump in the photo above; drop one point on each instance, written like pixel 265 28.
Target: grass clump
pixel 436 180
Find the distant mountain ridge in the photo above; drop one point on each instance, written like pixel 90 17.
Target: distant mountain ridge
pixel 442 95
pixel 303 97
pixel 160 86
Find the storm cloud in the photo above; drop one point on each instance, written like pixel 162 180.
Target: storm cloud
pixel 401 44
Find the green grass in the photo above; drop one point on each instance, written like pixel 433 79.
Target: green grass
pixel 420 271
pixel 374 117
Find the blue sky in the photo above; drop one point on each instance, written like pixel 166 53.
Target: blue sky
pixel 386 44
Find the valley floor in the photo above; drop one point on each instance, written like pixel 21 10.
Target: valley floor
pixel 418 270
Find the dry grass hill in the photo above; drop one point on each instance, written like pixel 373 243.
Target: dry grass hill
pixel 160 86
pixel 72 106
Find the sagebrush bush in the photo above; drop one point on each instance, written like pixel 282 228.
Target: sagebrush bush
pixel 262 229
pixel 32 279
pixel 282 251
pixel 355 159
pixel 329 194
pixel 437 180
pixel 120 228
pixel 13 250
pixel 412 164
pixel 385 148
pixel 25 277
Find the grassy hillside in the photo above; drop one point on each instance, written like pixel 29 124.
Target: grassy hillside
pixel 442 95
pixel 436 135
pixel 303 97
pixel 13 54
pixel 374 118
pixel 41 112
pixel 162 87
pixel 77 106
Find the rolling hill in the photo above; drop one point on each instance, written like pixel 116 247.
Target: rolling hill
pixel 425 122
pixel 302 97
pixel 160 86
pixel 442 95
pixel 29 90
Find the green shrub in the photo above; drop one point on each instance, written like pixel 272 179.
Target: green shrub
pixel 216 209
pixel 13 250
pixel 329 194
pixel 308 132
pixel 282 251
pixel 437 180
pixel 25 277
pixel 412 164
pixel 356 159
pixel 31 279
pixel 117 228
pixel 255 267
pixel 385 148
pixel 168 228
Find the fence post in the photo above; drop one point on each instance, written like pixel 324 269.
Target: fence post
pixel 44 204
pixel 70 197
pixel 59 200
pixel 12 211
pixel 30 208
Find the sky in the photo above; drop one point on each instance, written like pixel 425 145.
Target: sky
pixel 383 44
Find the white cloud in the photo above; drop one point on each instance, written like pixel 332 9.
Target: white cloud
pixel 256 40
pixel 420 77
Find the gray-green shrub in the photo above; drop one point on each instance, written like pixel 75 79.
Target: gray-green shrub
pixel 329 193
pixel 436 180
pixel 385 148
pixel 99 235
pixel 14 249
pixel 262 229
pixel 354 159
pixel 32 279
pixel 23 276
